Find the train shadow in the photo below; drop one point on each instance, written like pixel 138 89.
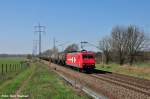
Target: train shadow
pixel 97 71
pixel 101 71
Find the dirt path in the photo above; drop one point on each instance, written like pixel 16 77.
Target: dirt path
pixel 24 83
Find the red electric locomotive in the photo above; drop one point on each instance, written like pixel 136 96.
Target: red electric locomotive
pixel 84 60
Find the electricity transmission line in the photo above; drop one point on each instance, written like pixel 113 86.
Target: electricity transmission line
pixel 40 29
pixel 35 45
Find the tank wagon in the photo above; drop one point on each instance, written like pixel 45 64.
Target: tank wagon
pixel 82 60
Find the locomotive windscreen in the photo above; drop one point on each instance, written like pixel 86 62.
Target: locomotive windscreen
pixel 88 56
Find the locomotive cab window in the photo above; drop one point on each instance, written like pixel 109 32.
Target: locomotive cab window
pixel 87 56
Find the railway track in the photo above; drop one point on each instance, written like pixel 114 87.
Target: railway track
pixel 119 86
pixel 133 80
pixel 132 83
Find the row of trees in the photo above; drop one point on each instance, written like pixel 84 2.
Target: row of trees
pixel 72 47
pixel 69 48
pixel 124 44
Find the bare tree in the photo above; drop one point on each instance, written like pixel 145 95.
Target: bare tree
pixel 105 45
pixel 72 47
pixel 136 42
pixel 49 52
pixel 119 43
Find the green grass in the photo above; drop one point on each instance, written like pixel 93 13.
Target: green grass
pixel 141 70
pixel 109 67
pixel 12 60
pixel 45 84
pixel 11 72
pixel 143 64
pixel 10 86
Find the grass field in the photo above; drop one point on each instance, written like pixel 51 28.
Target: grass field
pixel 142 64
pixel 11 60
pixel 141 70
pixel 11 70
pixel 10 86
pixel 45 84
pixel 38 82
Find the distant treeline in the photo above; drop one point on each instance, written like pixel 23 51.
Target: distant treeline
pixel 12 55
pixel 139 57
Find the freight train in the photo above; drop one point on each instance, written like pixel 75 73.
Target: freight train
pixel 82 60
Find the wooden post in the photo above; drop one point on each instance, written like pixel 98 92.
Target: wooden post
pixel 6 68
pixel 15 67
pixel 2 69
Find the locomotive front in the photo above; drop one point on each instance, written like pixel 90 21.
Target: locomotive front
pixel 83 60
pixel 88 60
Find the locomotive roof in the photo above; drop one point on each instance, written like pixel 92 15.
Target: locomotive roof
pixel 85 52
pixel 73 52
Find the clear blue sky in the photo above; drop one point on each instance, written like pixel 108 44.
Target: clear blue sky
pixel 66 20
